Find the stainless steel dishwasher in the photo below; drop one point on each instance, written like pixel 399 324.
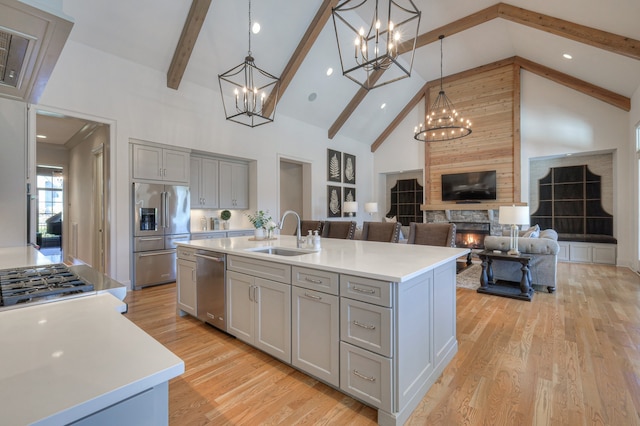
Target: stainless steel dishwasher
pixel 210 279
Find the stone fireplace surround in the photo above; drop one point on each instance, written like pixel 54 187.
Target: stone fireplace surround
pixel 475 218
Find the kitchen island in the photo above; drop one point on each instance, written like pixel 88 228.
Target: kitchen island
pixel 375 320
pixel 79 360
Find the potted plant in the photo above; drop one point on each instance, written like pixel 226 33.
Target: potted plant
pixel 259 220
pixel 225 215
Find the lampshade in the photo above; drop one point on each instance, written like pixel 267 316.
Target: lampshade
pixel 514 215
pixel 350 206
pixel 371 207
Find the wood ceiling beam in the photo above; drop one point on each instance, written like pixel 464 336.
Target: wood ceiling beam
pixel 313 31
pixel 190 32
pixel 593 37
pixel 581 86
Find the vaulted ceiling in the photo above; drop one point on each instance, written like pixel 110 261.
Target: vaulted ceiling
pixel 297 41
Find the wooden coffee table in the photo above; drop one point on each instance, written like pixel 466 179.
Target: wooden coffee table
pixel 514 290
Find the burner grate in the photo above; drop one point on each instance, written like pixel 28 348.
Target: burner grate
pixel 24 285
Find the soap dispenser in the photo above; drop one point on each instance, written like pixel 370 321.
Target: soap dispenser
pixel 309 242
pixel 316 240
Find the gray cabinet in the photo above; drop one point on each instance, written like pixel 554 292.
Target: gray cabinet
pixel 186 281
pixel 315 324
pixel 259 309
pixel 151 162
pixel 204 183
pixel 233 185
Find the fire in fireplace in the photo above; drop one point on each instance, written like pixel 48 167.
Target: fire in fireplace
pixel 471 234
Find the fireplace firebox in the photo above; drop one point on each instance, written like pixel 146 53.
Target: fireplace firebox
pixel 471 234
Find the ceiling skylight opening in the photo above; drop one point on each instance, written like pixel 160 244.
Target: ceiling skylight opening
pixel 567 56
pixel 255 28
pixel 329 71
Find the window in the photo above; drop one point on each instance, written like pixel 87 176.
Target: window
pixel 49 186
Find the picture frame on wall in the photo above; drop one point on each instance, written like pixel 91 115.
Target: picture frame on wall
pixel 334 165
pixel 349 169
pixel 334 201
pixel 348 194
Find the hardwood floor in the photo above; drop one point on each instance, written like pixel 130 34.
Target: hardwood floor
pixel 569 358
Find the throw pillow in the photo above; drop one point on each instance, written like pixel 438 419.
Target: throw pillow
pixel 533 232
pixel 390 219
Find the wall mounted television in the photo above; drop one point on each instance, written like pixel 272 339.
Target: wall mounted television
pixel 469 187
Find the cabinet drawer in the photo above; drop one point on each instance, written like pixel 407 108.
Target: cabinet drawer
pixel 187 253
pixel 248 233
pixel 366 289
pixel 367 326
pixel 260 268
pixel 314 279
pixel 366 376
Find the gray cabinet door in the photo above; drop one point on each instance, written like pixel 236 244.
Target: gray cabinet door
pixel 315 338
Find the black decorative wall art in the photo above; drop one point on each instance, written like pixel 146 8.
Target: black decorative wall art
pixel 334 162
pixel 349 169
pixel 348 194
pixel 334 201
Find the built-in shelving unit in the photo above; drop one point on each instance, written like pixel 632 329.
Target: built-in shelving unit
pixel 406 196
pixel 570 202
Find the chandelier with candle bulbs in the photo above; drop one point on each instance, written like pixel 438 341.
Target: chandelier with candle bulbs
pixel 443 121
pixel 372 35
pixel 247 89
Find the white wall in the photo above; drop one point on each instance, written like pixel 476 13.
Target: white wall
pixel 137 100
pixel 634 121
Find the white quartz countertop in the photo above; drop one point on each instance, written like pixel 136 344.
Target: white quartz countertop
pixel 18 257
pixel 383 261
pixel 65 360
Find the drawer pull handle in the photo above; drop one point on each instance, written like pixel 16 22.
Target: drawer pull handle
pixel 362 376
pixel 312 296
pixel 363 290
pixel 368 327
pixel 309 280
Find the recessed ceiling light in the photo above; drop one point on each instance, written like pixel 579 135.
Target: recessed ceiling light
pixel 255 28
pixel 41 136
pixel 383 105
pixel 329 71
pixel 567 56
pixel 312 97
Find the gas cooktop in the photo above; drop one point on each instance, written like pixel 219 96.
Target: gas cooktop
pixel 39 283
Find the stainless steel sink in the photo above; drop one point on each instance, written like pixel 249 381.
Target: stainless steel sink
pixel 279 251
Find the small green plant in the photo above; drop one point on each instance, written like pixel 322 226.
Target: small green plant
pixel 225 215
pixel 260 219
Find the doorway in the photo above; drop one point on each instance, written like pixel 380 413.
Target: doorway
pixel 295 191
pixel 80 146
pixel 50 195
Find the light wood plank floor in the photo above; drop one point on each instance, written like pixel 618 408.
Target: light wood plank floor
pixel 569 358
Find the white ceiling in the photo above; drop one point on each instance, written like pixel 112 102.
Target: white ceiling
pixel 148 33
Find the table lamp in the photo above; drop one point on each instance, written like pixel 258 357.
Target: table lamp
pixel 371 208
pixel 350 207
pixel 514 216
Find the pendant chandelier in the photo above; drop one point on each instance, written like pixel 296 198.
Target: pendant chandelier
pixel 443 121
pixel 247 89
pixel 371 35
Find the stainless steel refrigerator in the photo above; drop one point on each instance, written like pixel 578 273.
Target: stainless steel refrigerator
pixel 161 216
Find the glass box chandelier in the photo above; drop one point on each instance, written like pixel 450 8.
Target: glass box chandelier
pixel 372 35
pixel 443 121
pixel 247 89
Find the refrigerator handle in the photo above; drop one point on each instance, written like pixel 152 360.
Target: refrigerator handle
pixel 163 207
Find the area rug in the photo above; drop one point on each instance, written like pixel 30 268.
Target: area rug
pixel 470 277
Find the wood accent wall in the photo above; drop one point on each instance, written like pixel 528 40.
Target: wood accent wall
pixel 490 99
